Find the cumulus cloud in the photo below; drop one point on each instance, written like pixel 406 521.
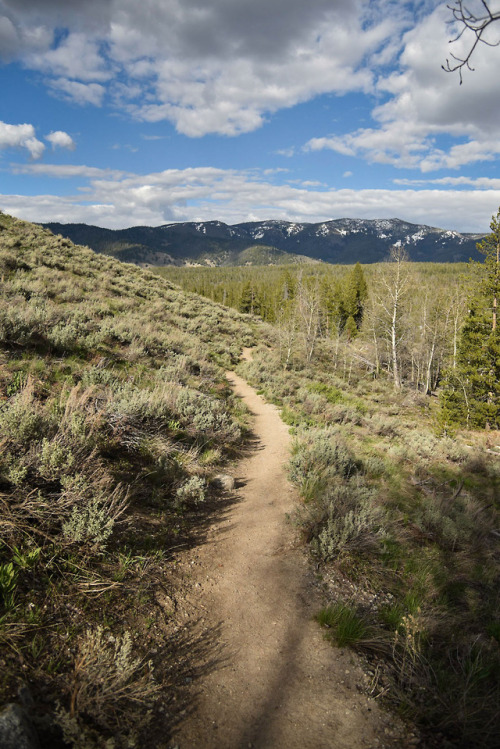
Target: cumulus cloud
pixel 423 103
pixel 21 136
pixel 117 200
pixel 218 67
pixel 76 57
pixel 60 139
pixel 224 67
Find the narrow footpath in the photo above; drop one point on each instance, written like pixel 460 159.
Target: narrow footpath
pixel 277 683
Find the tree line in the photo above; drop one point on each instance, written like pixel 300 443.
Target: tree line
pixel 426 326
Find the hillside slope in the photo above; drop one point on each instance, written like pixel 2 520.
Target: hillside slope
pixel 213 242
pixel 115 416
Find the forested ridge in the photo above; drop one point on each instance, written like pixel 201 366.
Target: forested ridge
pixel 346 309
pixel 116 420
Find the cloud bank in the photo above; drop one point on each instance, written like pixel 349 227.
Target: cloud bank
pixel 117 200
pixel 217 67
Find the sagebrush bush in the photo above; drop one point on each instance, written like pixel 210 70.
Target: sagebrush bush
pixel 92 518
pixel 111 686
pixel 323 454
pixel 21 417
pixel 353 521
pixel 455 523
pixel 56 459
pixel 193 490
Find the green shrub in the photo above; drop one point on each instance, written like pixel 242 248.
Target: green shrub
pixel 454 523
pixel 21 417
pixel 92 519
pixel 55 459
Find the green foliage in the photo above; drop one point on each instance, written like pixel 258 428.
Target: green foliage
pixel 8 584
pixel 345 625
pixel 322 454
pixel 249 301
pixel 92 522
pixel 193 490
pixel 352 302
pixel 354 522
pixel 471 394
pixel 21 417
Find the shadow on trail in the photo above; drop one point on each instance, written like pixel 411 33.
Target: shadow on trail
pixel 259 729
pixel 192 652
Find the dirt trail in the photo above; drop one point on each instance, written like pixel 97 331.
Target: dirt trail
pixel 277 682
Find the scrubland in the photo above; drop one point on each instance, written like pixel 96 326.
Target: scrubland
pixel 401 521
pixel 115 418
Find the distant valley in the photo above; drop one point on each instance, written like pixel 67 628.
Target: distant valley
pixel 272 242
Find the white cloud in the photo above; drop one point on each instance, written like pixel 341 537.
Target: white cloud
pixel 407 145
pixel 224 67
pixel 76 57
pixel 423 103
pixel 66 170
pixel 347 174
pixel 21 136
pixel 118 200
pixel 60 139
pixel 80 93
pixel 477 182
pixel 216 67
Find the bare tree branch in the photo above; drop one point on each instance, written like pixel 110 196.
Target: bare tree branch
pixel 475 22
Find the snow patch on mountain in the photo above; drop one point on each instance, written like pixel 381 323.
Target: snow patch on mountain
pixel 293 229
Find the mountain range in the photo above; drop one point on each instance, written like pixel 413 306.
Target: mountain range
pixel 272 242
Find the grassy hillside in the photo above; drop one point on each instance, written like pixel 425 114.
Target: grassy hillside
pixel 114 418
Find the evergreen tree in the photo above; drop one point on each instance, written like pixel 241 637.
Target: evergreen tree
pixel 352 301
pixel 249 301
pixel 350 328
pixel 471 392
pixel 355 294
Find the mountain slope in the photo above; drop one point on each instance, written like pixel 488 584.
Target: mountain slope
pixel 216 243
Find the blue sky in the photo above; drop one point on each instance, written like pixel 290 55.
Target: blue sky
pixel 119 113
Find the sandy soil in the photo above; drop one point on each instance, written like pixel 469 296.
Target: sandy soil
pixel 275 681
